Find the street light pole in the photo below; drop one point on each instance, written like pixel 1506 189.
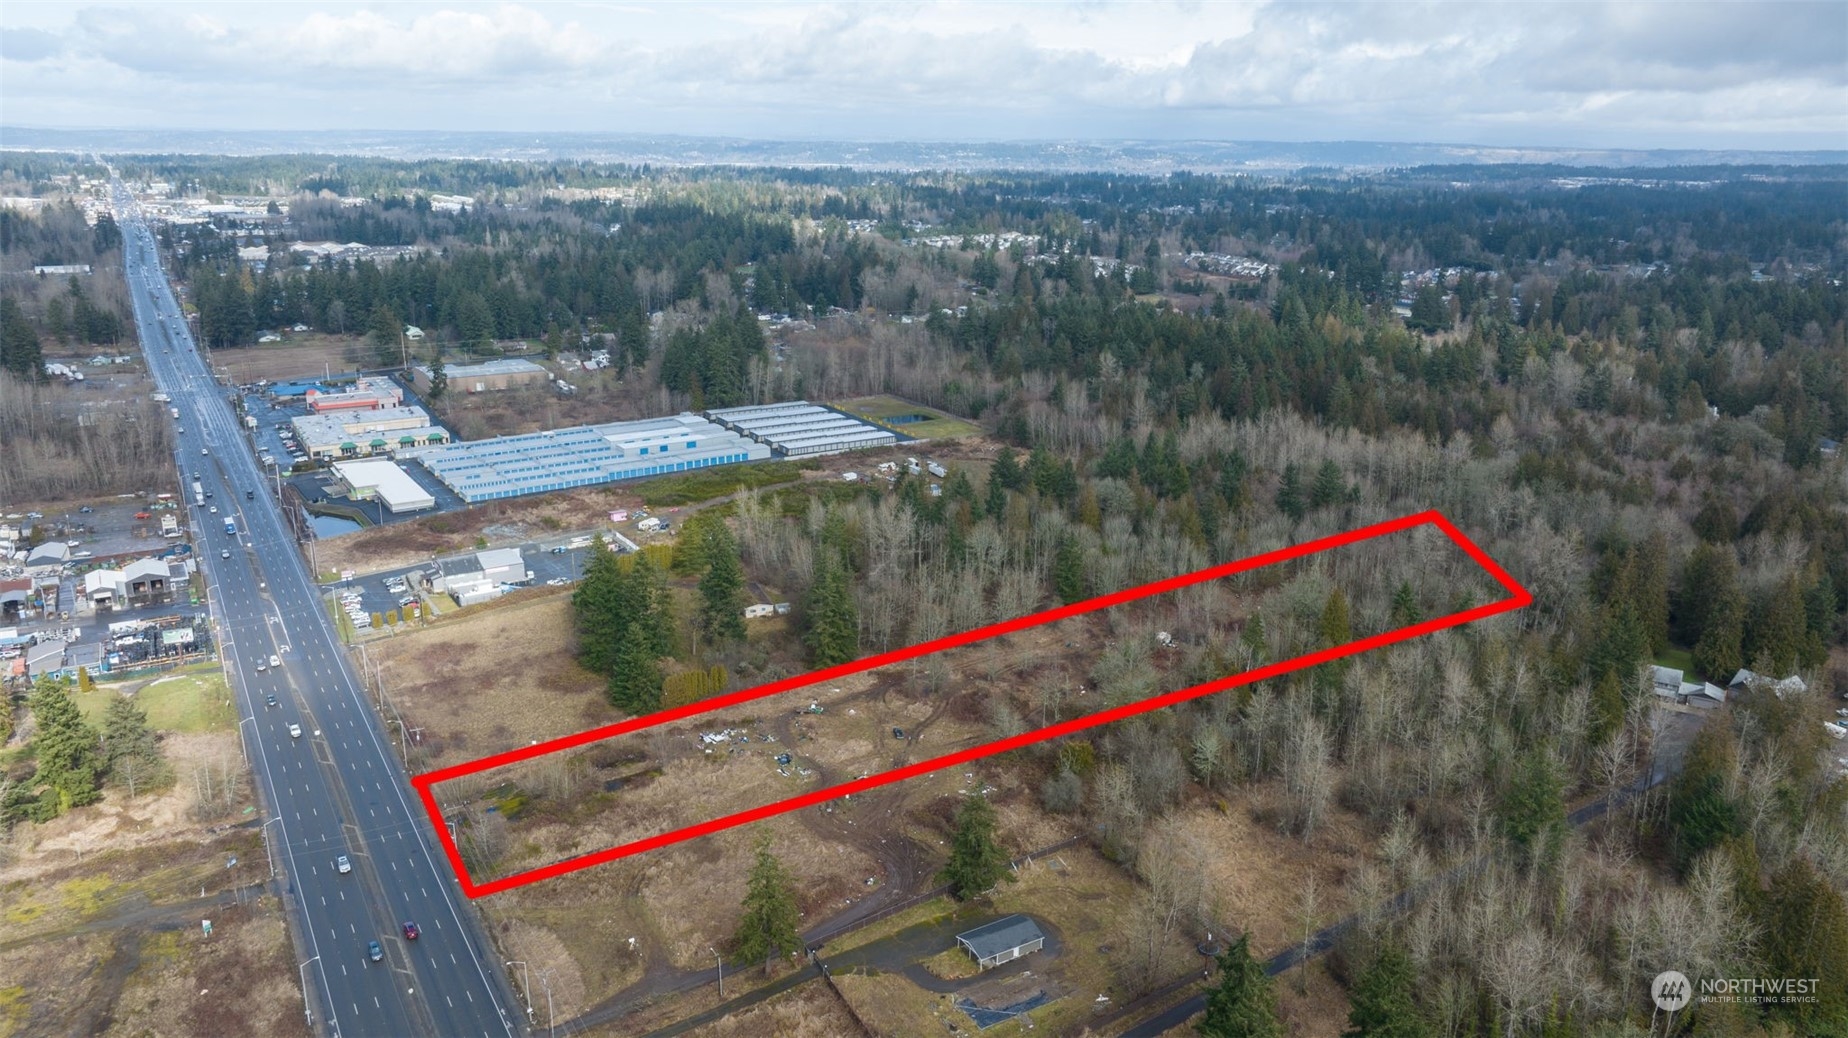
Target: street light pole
pixel 267 855
pixel 306 1012
pixel 526 985
pixel 721 961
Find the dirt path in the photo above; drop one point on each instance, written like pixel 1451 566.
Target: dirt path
pixel 136 911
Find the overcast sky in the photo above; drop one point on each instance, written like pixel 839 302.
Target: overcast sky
pixel 1685 74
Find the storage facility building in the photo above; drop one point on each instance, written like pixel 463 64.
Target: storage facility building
pixel 377 477
pixel 800 428
pixel 534 463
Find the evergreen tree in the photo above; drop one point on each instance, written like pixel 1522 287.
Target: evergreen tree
pixel 20 353
pixel 1334 623
pixel 768 927
pixel 597 606
pixel 1700 817
pixel 130 750
pixel 68 762
pixel 1606 708
pixel 1805 926
pixel 1719 653
pixel 1381 1003
pixel 1429 311
pixel 721 590
pixel 645 593
pixel 1328 487
pixel 1533 807
pixel 1405 610
pixel 1005 475
pixel 1068 570
pixel 1777 642
pixel 439 379
pixel 1244 1003
pixel 833 626
pixel 1251 636
pixel 1649 590
pixel 976 862
pixel 635 677
pixel 1290 500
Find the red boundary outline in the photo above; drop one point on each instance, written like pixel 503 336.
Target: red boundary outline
pixel 1519 598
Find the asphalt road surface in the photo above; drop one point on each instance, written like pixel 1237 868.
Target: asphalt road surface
pixel 337 788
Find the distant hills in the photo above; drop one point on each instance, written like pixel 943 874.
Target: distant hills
pixel 671 150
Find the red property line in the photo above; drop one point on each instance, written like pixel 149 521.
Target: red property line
pixel 1518 598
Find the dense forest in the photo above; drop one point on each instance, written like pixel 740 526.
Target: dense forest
pixel 1629 392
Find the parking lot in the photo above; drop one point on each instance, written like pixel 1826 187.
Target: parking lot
pixel 273 438
pixel 551 562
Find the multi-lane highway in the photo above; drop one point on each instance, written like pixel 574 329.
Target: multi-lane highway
pixel 336 789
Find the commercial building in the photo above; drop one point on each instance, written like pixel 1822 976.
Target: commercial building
pixel 353 434
pixel 486 377
pixel 480 576
pixel 800 428
pixel 585 455
pixel 368 394
pixel 377 477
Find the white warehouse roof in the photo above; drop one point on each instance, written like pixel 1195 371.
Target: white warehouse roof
pixel 399 491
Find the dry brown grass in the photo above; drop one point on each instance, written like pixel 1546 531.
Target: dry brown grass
pixel 892 1005
pixel 1258 873
pixel 1320 1011
pixel 235 982
pixel 489 681
pixel 808 1011
pixel 300 355
pixel 513 521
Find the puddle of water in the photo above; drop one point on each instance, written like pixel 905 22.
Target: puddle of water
pixel 332 525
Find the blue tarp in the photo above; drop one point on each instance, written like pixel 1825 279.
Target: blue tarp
pixel 985 1017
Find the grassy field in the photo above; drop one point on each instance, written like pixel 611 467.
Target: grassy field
pixel 936 426
pixel 706 484
pixel 193 699
pixel 1680 659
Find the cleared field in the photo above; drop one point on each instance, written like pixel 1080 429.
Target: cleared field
pixel 809 1011
pixel 100 910
pixel 491 680
pixel 492 524
pixel 193 699
pixel 301 355
pixel 925 423
pixel 706 484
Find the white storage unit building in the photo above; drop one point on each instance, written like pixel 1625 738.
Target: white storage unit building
pixel 801 428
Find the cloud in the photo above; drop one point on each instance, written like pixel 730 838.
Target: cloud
pixel 1503 73
pixel 28 45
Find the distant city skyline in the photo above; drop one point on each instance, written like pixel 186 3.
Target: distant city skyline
pixel 1603 75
